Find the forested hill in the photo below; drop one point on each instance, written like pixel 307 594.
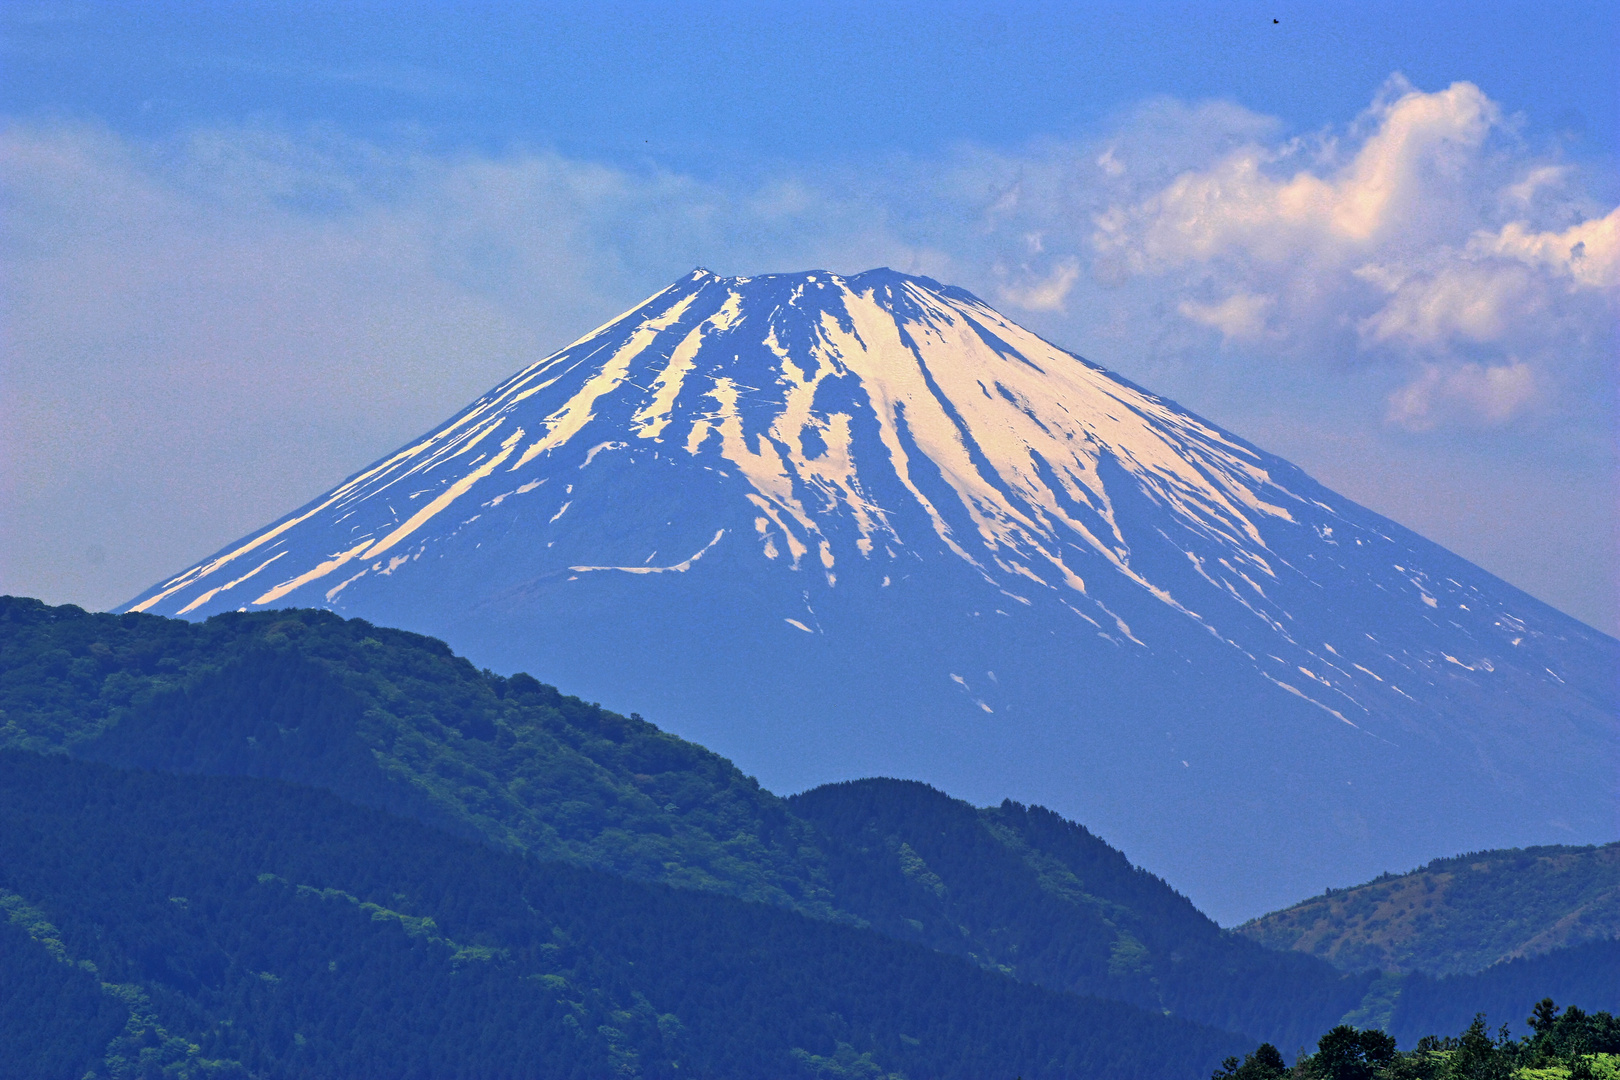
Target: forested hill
pixel 1458 915
pixel 395 720
pixel 188 926
pixel 1019 889
pixel 1505 993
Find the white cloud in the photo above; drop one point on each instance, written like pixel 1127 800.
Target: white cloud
pixel 1493 288
pixel 1462 301
pixel 1236 206
pixel 1494 394
pixel 1426 239
pixel 1240 317
pixel 1588 252
pixel 1046 294
pixel 1538 179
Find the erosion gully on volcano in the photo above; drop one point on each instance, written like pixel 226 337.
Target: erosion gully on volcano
pixel 835 526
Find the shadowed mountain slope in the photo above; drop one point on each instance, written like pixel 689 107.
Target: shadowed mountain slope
pixel 841 526
pixel 1021 890
pixel 1585 975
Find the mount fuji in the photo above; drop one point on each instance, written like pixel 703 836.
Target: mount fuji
pixel 843 526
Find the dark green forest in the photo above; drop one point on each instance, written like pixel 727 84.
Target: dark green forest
pixel 503 777
pixel 232 926
pixel 1022 890
pixel 1588 973
pixel 395 721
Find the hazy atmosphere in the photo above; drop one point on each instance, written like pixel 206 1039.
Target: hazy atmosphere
pixel 248 249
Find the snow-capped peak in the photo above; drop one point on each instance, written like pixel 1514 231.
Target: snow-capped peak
pixel 838 506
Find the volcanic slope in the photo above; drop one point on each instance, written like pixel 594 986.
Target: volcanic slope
pixel 840 526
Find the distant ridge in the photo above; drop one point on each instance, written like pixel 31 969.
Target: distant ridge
pixel 840 526
pixel 1458 915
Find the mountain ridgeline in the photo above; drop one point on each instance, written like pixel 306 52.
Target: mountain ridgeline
pixel 1021 890
pixel 1458 915
pixel 395 722
pixel 852 526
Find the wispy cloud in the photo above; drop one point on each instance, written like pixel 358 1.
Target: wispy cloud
pixel 1493 393
pixel 1047 293
pixel 1240 317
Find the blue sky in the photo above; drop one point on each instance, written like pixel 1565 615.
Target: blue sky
pixel 248 248
pixel 702 87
